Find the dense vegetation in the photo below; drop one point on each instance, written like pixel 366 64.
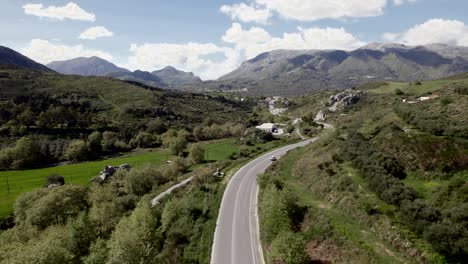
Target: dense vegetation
pixel 59 118
pixel 387 186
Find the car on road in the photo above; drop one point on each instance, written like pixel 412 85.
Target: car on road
pixel 273 158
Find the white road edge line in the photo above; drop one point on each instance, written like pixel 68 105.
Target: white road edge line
pixel 252 211
pixel 257 220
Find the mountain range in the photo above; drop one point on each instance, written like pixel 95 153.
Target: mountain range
pixel 168 77
pixel 285 72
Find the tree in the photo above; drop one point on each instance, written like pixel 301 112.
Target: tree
pixel 45 207
pixel 105 211
pixel 155 126
pixel 141 181
pixel 399 92
pixel 197 153
pixel 108 140
pixel 198 133
pixel 81 234
pixel 288 248
pixel 98 252
pixel 144 140
pixel 26 153
pixel 135 239
pixel 177 145
pixel 95 143
pixel 77 151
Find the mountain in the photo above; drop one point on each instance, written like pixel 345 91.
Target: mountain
pixel 11 57
pixel 286 72
pixel 176 78
pixel 93 66
pixel 141 77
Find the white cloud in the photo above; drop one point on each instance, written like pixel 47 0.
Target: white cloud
pixel 400 2
pixel 45 52
pixel 452 32
pixel 261 11
pixel 247 43
pixel 195 57
pixel 96 32
pixel 256 40
pixel 69 11
pixel 247 13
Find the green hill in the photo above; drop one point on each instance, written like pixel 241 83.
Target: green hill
pixel 388 185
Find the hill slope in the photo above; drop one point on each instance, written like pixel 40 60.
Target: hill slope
pixel 388 185
pixel 11 57
pixel 141 77
pixel 288 72
pixel 93 66
pixel 175 78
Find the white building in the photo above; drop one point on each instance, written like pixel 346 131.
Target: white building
pixel 267 127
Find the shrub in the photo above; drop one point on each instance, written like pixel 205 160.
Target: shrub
pixel 77 151
pixel 54 179
pixel 197 153
pixel 288 247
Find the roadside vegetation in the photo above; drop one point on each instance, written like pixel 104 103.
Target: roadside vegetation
pixel 387 186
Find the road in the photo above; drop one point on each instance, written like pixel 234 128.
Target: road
pixel 236 239
pixel 158 198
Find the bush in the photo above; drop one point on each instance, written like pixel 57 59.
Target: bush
pixel 56 179
pixel 77 151
pixel 399 92
pixel 144 140
pixel 141 181
pixel 197 154
pixel 45 207
pixel 288 248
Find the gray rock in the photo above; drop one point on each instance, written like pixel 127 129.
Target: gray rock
pixel 344 99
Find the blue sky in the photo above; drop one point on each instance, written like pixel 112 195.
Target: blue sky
pixel 212 38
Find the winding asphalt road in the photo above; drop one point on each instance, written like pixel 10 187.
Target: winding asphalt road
pixel 236 238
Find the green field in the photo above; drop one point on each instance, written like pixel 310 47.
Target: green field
pixel 26 180
pixel 412 89
pixel 220 149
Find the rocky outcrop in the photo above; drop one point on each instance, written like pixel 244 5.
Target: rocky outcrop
pixel 344 99
pixel 109 171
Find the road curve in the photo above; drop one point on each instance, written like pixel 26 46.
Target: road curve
pixel 236 238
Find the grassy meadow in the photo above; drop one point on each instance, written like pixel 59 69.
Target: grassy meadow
pixel 20 181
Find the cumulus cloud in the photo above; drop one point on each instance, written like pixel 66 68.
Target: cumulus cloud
pixel 256 40
pixel 400 2
pixel 196 57
pixel 452 32
pixel 93 33
pixel 69 11
pixel 262 10
pixel 211 61
pixel 247 13
pixel 45 52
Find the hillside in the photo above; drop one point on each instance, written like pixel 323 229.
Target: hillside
pixel 388 185
pixel 175 78
pixel 93 66
pixel 141 77
pixel 57 116
pixel 11 57
pixel 287 72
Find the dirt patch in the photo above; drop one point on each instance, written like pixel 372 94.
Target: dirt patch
pixel 326 252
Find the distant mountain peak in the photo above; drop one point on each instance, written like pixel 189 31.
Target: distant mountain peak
pixel 174 77
pixel 86 66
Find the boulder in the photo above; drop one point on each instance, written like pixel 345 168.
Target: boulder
pixel 344 99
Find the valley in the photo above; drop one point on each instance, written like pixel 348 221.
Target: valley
pixel 369 169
